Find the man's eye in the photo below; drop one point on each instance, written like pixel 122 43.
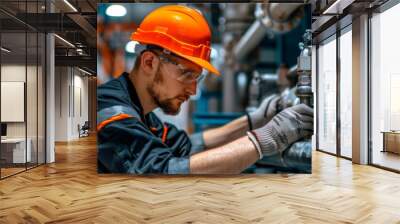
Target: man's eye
pixel 188 74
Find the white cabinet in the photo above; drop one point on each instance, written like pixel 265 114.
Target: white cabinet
pixel 17 146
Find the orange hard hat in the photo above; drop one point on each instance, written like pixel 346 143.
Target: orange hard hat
pixel 179 29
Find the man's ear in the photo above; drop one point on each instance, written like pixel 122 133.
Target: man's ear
pixel 149 63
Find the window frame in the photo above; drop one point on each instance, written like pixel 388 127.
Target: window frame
pixel 347 27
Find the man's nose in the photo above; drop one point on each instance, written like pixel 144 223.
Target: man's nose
pixel 192 88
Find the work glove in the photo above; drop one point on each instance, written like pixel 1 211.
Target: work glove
pixel 284 129
pixel 264 113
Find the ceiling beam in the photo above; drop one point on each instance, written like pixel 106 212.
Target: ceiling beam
pixel 82 61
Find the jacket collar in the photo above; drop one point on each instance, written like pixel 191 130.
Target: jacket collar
pixel 131 90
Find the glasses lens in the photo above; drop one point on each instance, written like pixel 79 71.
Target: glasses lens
pixel 201 77
pixel 191 78
pixel 186 77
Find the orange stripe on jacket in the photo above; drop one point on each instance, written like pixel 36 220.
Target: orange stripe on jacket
pixel 112 119
pixel 164 136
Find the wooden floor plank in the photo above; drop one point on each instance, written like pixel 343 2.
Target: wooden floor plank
pixel 71 191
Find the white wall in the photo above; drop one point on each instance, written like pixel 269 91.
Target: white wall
pixel 71 94
pixel 12 73
pixel 61 103
pixel 80 109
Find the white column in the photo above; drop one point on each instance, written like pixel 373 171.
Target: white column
pixel 50 92
pixel 50 101
pixel 360 90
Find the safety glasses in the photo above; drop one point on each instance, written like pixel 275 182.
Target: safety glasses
pixel 186 75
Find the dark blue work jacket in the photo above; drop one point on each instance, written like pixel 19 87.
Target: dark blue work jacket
pixel 129 142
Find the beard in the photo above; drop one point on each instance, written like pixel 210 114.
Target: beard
pixel 166 105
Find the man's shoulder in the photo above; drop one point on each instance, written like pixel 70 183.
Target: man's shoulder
pixel 114 84
pixel 112 93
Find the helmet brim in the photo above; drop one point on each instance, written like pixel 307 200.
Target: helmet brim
pixel 202 63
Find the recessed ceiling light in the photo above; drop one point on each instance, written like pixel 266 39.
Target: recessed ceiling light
pixel 70 5
pixel 65 41
pixel 116 10
pixel 5 49
pixel 84 71
pixel 337 7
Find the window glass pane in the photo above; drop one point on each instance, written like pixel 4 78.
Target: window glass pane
pixel 327 96
pixel 23 86
pixel 346 94
pixel 14 153
pixel 385 84
pixel 31 97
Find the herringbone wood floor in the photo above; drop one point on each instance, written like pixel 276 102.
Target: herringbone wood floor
pixel 71 191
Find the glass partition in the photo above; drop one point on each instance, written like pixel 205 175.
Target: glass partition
pixel 14 151
pixel 22 78
pixel 31 97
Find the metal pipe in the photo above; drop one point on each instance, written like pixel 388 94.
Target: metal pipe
pixel 304 89
pixel 274 18
pixel 250 39
pixel 234 21
pixel 297 158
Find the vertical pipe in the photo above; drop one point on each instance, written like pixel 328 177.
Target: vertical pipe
pixel 304 88
pixel 37 90
pixel 369 78
pixel 45 90
pixel 317 97
pixel 338 74
pixel 26 87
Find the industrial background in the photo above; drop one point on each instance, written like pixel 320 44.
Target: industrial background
pixel 340 56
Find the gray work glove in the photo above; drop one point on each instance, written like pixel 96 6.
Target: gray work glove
pixel 284 129
pixel 264 113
